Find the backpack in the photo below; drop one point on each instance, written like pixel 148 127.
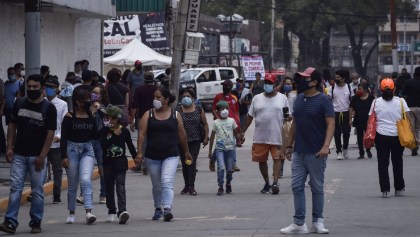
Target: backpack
pixel 332 91
pixel 44 105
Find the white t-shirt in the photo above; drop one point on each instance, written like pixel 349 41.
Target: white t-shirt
pixel 268 115
pixel 341 100
pixel 387 115
pixel 225 140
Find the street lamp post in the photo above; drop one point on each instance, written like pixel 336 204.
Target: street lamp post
pixel 231 26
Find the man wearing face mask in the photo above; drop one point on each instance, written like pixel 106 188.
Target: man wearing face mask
pixel 136 77
pixel 267 110
pixel 11 91
pixel 341 94
pixel 245 97
pixel 312 131
pixel 54 154
pixel 360 106
pixel 355 80
pixel 232 100
pixel 29 138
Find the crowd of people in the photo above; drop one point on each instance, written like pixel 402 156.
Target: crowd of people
pixel 87 120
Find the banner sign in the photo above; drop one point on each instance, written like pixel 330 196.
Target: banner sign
pixel 118 32
pixel 148 27
pixel 153 33
pixel 252 65
pixel 193 15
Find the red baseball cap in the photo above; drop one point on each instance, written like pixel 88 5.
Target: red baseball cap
pixel 138 62
pixel 270 78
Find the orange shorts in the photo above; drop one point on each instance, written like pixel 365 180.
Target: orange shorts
pixel 260 152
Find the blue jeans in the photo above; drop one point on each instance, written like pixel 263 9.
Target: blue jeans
pixel 81 161
pixel 225 161
pixel 214 157
pixel 302 165
pixel 21 165
pixel 162 174
pixel 97 149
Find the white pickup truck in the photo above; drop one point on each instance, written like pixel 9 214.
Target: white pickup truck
pixel 207 82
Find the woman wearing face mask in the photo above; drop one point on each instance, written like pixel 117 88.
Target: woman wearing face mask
pixel 359 107
pixel 77 132
pixel 289 90
pixel 164 129
pixel 192 116
pixel 388 111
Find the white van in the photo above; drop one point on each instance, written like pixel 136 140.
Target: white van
pixel 207 82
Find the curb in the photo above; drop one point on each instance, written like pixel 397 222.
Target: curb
pixel 48 188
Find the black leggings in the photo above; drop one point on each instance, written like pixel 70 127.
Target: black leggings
pixel 386 145
pixel 189 171
pixel 360 132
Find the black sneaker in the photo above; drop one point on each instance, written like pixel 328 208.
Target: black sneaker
pixel 266 189
pixel 361 157
pixel 228 188
pixel 275 189
pixel 56 199
pixel 124 218
pixel 7 227
pixel 369 154
pixel 167 215
pixel 184 191
pixel 220 191
pixel 414 152
pixel 36 227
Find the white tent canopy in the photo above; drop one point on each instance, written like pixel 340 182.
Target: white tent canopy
pixel 136 50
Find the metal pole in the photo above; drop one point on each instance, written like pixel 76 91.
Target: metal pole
pixel 405 48
pixel 32 36
pixel 178 46
pixel 393 36
pixel 412 56
pixel 273 15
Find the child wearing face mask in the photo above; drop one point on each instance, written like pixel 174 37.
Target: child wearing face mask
pixel 224 131
pixel 113 138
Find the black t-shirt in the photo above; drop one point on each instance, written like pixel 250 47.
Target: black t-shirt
pixel 117 93
pixel 243 107
pixel 87 87
pixel 143 98
pixel 77 130
pixel 113 147
pixel 412 92
pixel 361 110
pixel 32 127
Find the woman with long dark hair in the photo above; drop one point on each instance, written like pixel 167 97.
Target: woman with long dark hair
pixel 164 129
pixel 388 110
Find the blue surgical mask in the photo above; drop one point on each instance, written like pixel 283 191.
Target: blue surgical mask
pixel 268 88
pixel 186 101
pixel 12 77
pixel 50 91
pixel 287 88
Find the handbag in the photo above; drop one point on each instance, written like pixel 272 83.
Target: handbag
pixel 370 134
pixel 405 134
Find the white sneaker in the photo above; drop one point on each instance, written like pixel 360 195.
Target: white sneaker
pixel 400 192
pixel 346 153
pixel 339 156
pixel 90 218
pixel 318 227
pixel 70 219
pixel 295 229
pixel 102 200
pixel 110 218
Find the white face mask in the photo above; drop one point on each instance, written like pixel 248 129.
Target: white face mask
pixel 157 104
pixel 22 73
pixel 224 113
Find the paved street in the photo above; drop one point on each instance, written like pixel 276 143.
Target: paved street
pixel 353 204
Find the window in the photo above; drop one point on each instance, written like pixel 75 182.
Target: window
pixel 208 75
pixel 385 38
pixel 226 74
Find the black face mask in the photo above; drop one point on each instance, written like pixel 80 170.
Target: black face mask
pixel 303 85
pixel 87 105
pixel 33 94
pixel 387 94
pixel 226 90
